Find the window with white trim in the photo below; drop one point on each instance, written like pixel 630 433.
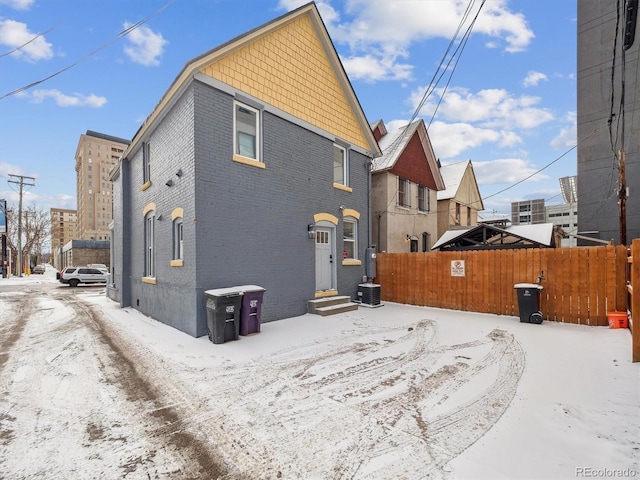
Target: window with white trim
pixel 146 162
pixel 246 133
pixel 423 198
pixel 340 165
pixel 149 245
pixel 178 243
pixel 403 192
pixel 350 239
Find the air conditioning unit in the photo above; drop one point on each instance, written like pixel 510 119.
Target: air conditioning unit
pixel 369 295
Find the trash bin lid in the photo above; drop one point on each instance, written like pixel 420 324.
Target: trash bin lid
pixel 528 285
pixel 250 288
pixel 224 292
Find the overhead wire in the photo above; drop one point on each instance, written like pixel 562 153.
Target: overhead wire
pixel 120 35
pixel 31 40
pixel 435 79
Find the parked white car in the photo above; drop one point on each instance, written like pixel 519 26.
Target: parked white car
pixel 74 276
pixel 99 266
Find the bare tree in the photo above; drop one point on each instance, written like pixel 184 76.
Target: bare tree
pixel 36 228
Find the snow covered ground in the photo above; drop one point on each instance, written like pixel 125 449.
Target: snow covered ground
pixel 396 392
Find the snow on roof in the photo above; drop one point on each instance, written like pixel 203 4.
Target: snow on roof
pixel 392 145
pixel 541 233
pixel 452 175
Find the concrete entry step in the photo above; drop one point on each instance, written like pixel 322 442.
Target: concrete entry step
pixel 331 305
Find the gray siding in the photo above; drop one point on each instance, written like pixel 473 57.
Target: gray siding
pixel 172 299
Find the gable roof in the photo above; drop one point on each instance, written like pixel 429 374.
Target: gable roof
pixel 312 43
pixel 484 236
pixel 394 143
pixel 454 176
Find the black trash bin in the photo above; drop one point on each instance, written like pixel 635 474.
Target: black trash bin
pixel 529 302
pixel 223 314
pixel 251 312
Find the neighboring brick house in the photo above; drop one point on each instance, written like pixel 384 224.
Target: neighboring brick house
pixel 405 181
pixel 460 202
pixel 252 169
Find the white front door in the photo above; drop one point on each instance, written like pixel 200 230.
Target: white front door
pixel 324 259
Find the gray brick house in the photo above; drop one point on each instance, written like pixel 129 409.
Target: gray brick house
pixel 252 169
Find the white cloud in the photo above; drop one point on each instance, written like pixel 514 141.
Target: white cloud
pixel 18 4
pixel 568 136
pixel 495 108
pixel 63 100
pixel 144 46
pixel 388 29
pixel 505 170
pixel 534 78
pixel 15 34
pixel 451 139
pixel 370 69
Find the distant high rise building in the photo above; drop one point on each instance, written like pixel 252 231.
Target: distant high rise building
pixel 64 228
pixel 527 212
pixel 96 155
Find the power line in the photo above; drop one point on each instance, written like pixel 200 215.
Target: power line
pixel 20 47
pixel 120 35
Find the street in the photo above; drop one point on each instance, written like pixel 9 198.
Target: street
pixel 74 399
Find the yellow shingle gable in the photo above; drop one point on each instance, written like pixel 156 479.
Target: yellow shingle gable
pixel 289 69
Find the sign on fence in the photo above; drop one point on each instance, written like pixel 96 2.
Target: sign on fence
pixel 457 268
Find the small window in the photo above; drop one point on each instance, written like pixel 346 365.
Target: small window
pixel 146 162
pixel 247 131
pixel 149 255
pixel 403 192
pixel 340 165
pixel 457 214
pixel 423 198
pixel 178 244
pixel 350 240
pixel 414 245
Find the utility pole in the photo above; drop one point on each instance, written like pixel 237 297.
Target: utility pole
pixel 622 199
pixel 23 182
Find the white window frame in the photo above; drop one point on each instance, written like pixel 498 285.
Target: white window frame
pixel 354 240
pixel 404 190
pixel 149 245
pixel 340 168
pixel 239 134
pixel 423 199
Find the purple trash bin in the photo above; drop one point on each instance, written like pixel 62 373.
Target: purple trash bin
pixel 251 310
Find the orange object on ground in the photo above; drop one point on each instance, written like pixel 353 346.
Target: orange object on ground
pixel 617 319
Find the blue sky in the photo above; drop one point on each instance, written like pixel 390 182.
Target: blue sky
pixel 509 104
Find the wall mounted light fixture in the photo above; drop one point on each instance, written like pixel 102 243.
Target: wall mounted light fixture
pixel 169 183
pixel 311 230
pixel 179 172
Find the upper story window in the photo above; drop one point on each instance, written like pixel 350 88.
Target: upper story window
pixel 423 198
pixel 146 162
pixel 246 131
pixel 403 192
pixel 340 165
